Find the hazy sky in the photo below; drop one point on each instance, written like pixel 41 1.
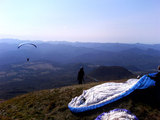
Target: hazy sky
pixel 128 21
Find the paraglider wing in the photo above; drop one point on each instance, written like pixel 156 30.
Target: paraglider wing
pixel 20 45
pixel 107 93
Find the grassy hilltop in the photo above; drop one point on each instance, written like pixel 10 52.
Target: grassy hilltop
pixel 52 104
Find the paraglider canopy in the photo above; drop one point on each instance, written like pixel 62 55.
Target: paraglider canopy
pixel 20 45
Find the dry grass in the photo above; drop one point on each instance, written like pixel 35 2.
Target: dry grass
pixel 53 105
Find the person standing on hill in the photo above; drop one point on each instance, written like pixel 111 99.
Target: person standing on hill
pixel 157 86
pixel 27 59
pixel 80 76
pixel 156 77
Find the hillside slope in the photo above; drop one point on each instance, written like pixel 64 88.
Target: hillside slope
pixel 111 73
pixel 52 105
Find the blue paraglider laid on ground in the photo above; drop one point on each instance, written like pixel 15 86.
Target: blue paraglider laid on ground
pixel 117 114
pixel 107 93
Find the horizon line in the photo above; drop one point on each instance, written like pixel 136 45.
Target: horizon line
pixel 46 41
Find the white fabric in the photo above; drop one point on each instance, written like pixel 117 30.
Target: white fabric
pixel 102 93
pixel 118 115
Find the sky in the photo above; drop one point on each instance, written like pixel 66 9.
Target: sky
pixel 120 21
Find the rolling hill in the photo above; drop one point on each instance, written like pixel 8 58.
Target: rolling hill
pixel 52 105
pixel 110 73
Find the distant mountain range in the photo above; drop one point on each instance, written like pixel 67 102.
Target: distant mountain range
pixel 56 64
pixel 135 57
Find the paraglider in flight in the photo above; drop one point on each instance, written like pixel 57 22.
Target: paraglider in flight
pixel 22 44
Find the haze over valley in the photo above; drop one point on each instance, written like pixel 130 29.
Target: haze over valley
pixel 56 64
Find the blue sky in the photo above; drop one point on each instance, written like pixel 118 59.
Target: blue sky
pixel 127 21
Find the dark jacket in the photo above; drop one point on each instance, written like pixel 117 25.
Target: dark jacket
pixel 157 87
pixel 156 78
pixel 80 76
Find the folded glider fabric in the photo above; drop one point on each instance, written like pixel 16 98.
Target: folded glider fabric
pixel 107 93
pixel 117 114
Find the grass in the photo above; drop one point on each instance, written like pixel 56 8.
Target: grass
pixel 53 105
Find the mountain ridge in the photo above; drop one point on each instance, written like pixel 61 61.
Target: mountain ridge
pixel 147 55
pixel 111 73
